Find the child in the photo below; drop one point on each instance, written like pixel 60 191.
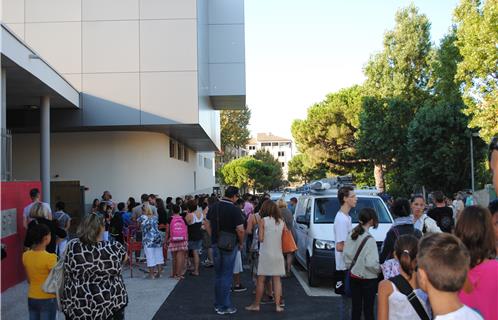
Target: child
pixel 38 263
pixel 178 243
pixel 116 224
pixel 443 262
pixel 152 242
pixel 393 304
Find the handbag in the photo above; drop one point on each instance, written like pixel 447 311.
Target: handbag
pixel 347 282
pixel 54 283
pixel 227 241
pixel 288 243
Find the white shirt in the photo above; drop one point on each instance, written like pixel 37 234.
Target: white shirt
pixel 27 209
pixel 464 313
pixel 430 224
pixel 342 228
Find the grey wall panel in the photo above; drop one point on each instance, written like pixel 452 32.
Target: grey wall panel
pixel 169 97
pixel 110 46
pixel 110 9
pixel 227 79
pixel 168 45
pixel 111 99
pixel 59 43
pixel 226 11
pixel 12 11
pixel 167 9
pixel 52 10
pixel 226 43
pixel 17 28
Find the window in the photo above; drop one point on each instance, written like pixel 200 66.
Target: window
pixel 283 164
pixel 326 209
pixel 180 152
pixel 208 163
pixel 171 149
pixel 281 153
pixel 185 154
pixel 265 144
pixel 252 147
pixel 274 144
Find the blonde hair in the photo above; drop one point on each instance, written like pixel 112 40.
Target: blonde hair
pixel 281 203
pixel 147 210
pixel 90 228
pixel 38 210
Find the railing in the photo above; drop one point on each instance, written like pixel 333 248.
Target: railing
pixel 6 154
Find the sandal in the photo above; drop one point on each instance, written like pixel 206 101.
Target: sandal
pixel 252 308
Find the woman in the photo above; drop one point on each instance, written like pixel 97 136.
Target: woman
pixel 39 215
pixel 392 304
pixel 365 271
pixel 194 221
pixel 151 241
pixel 95 206
pixel 403 224
pixel 38 263
pixel 271 260
pixel 288 218
pixel 93 281
pixel 475 229
pixel 421 221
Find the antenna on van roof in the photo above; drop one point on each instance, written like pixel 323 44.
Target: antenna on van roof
pixel 332 183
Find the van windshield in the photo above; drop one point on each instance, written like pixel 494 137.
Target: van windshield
pixel 326 209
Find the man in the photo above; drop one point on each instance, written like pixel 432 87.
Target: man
pixel 225 216
pixel 342 227
pixel 63 220
pixel 137 211
pixel 441 213
pixel 35 197
pixel 292 204
pixel 493 161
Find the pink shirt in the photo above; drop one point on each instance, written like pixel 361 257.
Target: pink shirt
pixel 248 208
pixel 484 295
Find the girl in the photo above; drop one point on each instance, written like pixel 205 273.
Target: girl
pixel 38 263
pixel 392 304
pixel 194 221
pixel 365 271
pixel 475 229
pixel 152 242
pixel 178 248
pixel 421 221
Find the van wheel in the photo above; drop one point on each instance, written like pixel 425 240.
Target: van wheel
pixel 312 278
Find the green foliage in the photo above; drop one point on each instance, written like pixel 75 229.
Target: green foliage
pixel 234 131
pixel 477 37
pixel 301 171
pixel 274 171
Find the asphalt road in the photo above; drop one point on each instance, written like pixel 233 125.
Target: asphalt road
pixel 192 298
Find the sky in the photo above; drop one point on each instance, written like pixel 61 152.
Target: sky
pixel 298 51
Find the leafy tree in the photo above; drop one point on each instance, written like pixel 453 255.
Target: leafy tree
pixel 301 171
pixel 234 131
pixel 328 134
pixel 275 173
pixel 248 172
pixel 477 34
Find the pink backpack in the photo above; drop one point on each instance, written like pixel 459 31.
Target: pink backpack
pixel 178 229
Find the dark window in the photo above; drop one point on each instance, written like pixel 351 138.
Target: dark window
pixel 274 144
pixel 171 149
pixel 281 153
pixel 326 209
pixel 185 154
pixel 180 151
pixel 266 144
pixel 283 164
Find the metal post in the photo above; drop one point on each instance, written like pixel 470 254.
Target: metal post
pixel 3 123
pixel 45 147
pixel 472 162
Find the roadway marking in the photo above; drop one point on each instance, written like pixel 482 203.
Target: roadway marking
pixel 302 278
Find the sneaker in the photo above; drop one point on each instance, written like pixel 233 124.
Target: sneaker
pixel 239 288
pixel 226 311
pixel 282 302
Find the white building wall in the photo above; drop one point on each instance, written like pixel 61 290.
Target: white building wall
pixel 125 163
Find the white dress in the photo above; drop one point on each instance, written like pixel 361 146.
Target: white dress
pixel 271 258
pixel 401 308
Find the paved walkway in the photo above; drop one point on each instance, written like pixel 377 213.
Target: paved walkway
pixel 145 296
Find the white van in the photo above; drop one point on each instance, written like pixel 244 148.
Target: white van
pixel 314 228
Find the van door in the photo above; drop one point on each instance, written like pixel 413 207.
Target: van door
pixel 309 231
pixel 301 231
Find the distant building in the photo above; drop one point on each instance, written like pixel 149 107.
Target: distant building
pixel 281 148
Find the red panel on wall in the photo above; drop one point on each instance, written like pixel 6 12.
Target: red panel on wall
pixel 14 197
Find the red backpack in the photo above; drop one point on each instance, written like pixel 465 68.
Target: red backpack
pixel 178 229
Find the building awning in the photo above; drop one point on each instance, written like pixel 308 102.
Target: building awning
pixel 29 77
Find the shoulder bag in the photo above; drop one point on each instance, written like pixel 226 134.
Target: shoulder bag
pixel 227 241
pixel 405 288
pixel 288 243
pixel 348 273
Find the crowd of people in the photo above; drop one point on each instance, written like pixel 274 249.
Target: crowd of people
pixel 234 231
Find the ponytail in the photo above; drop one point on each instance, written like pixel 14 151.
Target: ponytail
pixel 357 231
pixel 366 214
pixel 406 248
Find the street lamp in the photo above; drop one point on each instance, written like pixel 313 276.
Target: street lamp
pixel 474 134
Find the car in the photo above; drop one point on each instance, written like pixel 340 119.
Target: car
pixel 314 228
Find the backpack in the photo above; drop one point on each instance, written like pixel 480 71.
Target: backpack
pixel 116 224
pixel 178 229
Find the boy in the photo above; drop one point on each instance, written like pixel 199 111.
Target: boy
pixel 443 263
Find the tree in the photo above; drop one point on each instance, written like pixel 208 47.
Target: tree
pixel 328 134
pixel 477 34
pixel 275 173
pixel 398 84
pixel 234 131
pixel 301 171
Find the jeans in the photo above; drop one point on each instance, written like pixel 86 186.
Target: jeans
pixel 363 298
pixel 42 309
pixel 224 262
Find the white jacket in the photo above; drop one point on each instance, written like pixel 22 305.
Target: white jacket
pixel 367 265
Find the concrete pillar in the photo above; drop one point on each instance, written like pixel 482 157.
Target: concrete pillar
pixel 45 147
pixel 3 123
